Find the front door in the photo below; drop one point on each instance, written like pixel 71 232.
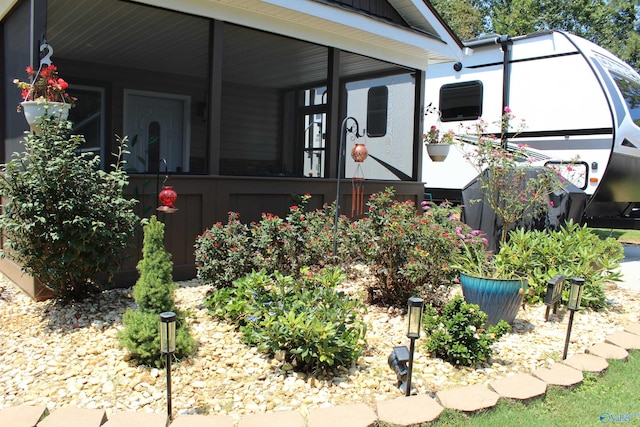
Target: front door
pixel 157 129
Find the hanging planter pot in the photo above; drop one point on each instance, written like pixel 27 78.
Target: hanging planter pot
pixel 499 298
pixel 34 111
pixel 438 152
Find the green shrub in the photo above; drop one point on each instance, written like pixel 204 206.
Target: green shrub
pixel 306 320
pixel 459 334
pixel 154 294
pixel 573 251
pixel 66 221
pixel 409 252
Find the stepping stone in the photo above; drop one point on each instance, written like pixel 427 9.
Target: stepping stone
pixel 75 417
pixel 202 421
pixel 587 363
pixel 280 419
pixel 410 410
pixel 608 351
pixel 519 386
pixel 356 415
pixel 468 398
pixel 21 416
pixel 623 339
pixel 137 419
pixel 634 328
pixel 559 374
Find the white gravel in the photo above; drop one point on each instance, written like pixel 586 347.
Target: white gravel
pixel 62 356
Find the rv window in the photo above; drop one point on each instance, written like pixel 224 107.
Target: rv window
pixel 631 93
pixel 461 101
pixel 377 101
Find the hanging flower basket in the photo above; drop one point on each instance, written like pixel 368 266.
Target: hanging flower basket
pixel 499 298
pixel 438 152
pixel 34 111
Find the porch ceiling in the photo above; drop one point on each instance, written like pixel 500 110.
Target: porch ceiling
pixel 125 34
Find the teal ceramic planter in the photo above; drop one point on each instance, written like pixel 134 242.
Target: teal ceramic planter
pixel 499 298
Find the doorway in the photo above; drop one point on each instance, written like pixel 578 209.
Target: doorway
pixel 157 126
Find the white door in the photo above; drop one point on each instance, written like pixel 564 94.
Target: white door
pixel 157 128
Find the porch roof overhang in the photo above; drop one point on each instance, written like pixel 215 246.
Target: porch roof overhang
pixel 428 41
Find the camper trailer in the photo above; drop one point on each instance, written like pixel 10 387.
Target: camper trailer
pixel 580 103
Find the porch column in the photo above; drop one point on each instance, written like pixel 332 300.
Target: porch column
pixel 418 125
pixel 333 113
pixel 216 42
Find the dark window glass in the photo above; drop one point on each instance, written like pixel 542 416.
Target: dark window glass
pixel 154 147
pixel 631 92
pixel 461 101
pixel 377 104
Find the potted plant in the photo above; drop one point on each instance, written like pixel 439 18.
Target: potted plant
pixel 437 146
pixel 44 95
pixel 488 280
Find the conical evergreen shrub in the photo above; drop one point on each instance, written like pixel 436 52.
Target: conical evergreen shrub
pixel 154 294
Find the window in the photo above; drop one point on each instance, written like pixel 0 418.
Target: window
pixel 88 119
pixel 377 104
pixel 461 101
pixel 631 92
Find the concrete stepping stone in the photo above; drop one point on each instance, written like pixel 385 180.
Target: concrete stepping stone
pixel 560 375
pixel 634 328
pixel 355 415
pixel 468 398
pixel 280 419
pixel 74 417
pixel 202 421
pixel 21 416
pixel 608 351
pixel 624 339
pixel 137 419
pixel 519 386
pixel 587 363
pixel 410 410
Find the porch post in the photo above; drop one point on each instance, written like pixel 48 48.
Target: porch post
pixel 214 97
pixel 333 113
pixel 418 125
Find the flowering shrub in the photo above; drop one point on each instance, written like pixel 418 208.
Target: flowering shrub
pixel 409 252
pixel 301 239
pixel 304 321
pixel 45 85
pixel 223 253
pixel 458 334
pixel 512 187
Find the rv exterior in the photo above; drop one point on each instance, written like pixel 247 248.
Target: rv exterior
pixel 580 103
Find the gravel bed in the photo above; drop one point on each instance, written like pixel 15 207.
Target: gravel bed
pixel 69 356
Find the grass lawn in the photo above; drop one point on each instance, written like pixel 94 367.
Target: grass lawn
pixel 623 236
pixel 608 399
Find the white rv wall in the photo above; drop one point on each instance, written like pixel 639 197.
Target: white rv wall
pixel 394 148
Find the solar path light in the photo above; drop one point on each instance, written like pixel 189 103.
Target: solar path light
pixel 168 347
pixel 573 304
